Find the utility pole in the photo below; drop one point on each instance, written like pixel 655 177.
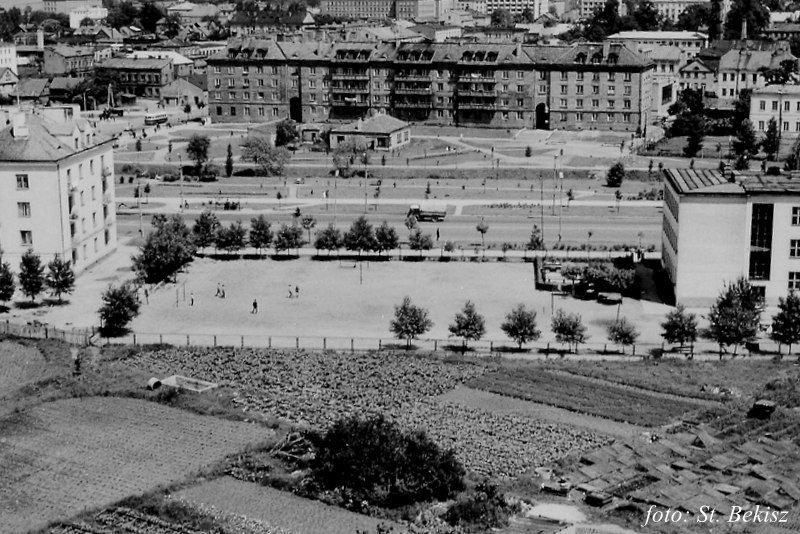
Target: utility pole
pixel 541 203
pixel 180 171
pixel 364 160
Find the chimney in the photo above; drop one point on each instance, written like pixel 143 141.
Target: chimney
pixel 19 129
pixel 40 39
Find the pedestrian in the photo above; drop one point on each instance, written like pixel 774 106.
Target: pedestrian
pixel 437 234
pixel 222 292
pixel 146 296
pixel 297 291
pixel 290 291
pixel 191 299
pixel 255 307
pixel 219 290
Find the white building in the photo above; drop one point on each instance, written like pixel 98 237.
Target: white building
pixel 8 56
pixel 539 7
pixel 719 228
pixel 779 102
pixel 689 42
pixel 56 188
pixel 95 13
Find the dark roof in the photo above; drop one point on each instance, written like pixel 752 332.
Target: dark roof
pixel 41 143
pixel 379 124
pixel 31 87
pixel 133 63
pixel 700 181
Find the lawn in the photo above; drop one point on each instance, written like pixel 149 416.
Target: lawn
pixel 583 396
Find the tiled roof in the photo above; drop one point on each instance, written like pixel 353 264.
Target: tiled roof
pixel 72 51
pixel 131 63
pixel 41 143
pixel 691 181
pixel 658 35
pixel 379 124
pixel 31 87
pixel 179 87
pixel 64 82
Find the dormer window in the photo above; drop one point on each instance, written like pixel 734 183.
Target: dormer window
pixel 613 58
pixel 597 58
pixel 580 58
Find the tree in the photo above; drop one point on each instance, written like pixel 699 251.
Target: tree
pixel 786 323
pixel 205 228
pixel 6 281
pixel 409 321
pixel 386 237
pixel 360 236
pixel 60 278
pixel 622 333
pixel 569 329
pixel 615 175
pixel 31 274
pixel 469 324
pixel 231 238
pixel 149 15
pixel 376 462
pixel 229 162
pixel 120 306
pixel 285 132
pixel 344 156
pixel 197 149
pixel 535 242
pixel 502 18
pixel 735 316
pixel 752 11
pixel 419 241
pixel 694 141
pixel 482 228
pixel 745 144
pixel 646 16
pixel 271 159
pixel 772 141
pixel 308 222
pixel 520 325
pixel 329 238
pixel 693 18
pixel 165 251
pixel 741 109
pixel 172 25
pixel 288 237
pixel 785 73
pixel 680 327
pixel 793 160
pixel 260 233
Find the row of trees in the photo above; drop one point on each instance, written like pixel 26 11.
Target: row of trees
pixel 57 276
pixel 258 149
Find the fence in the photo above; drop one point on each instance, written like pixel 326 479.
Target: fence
pixel 75 336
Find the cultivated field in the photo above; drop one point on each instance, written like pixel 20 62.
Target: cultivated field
pixel 315 389
pixel 277 509
pixel 63 457
pixel 19 365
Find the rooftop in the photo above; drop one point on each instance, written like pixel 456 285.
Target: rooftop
pixel 379 124
pixel 658 35
pixel 42 143
pixel 133 63
pixel 691 181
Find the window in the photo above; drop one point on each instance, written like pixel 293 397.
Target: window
pixel 274 112
pixel 26 237
pixel 579 89
pixel 627 77
pixel 216 82
pixel 520 88
pixel 795 215
pixel 626 117
pixel 794 248
pixel 520 75
pixel 595 89
pixel 231 82
pixel 579 117
pixel 542 75
pixel 611 76
pixel 627 89
pixel 595 103
pixel 564 76
pixel 611 104
pixel 563 102
pixel 761 125
pixel 94 218
pixel 593 117
pixel 579 103
pixel 233 111
pixel 505 115
pixel 794 281
pixel 520 102
pixel 542 89
pixel 786 126
pixel 24 209
pixel 596 77
pixel 563 89
pixel 786 106
pixel 612 90
pixel 579 77
pixel 505 75
pixel 774 105
pixel 563 117
pixel 22 181
pixel 219 110
pixel 93 193
pixel 626 104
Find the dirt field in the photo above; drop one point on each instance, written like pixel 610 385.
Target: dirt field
pixel 276 508
pixel 19 365
pixel 60 458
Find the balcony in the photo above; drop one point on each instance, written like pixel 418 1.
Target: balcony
pixel 413 105
pixel 480 94
pixel 349 76
pixel 477 79
pixel 350 90
pixel 413 91
pixel 350 103
pixel 475 105
pixel 412 77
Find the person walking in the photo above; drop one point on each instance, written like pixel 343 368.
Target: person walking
pixel 219 290
pixel 222 292
pixel 191 299
pixel 297 291
pixel 255 307
pixel 146 296
pixel 437 234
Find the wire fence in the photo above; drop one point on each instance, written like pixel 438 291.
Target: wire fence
pixel 73 336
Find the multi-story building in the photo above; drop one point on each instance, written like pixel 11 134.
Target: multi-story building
pixel 415 9
pixel 689 42
pixel 62 60
pixel 672 9
pixel 718 228
pixel 516 7
pixel 8 56
pixel 587 8
pixel 362 9
pixel 96 13
pixel 56 188
pixel 698 75
pixel 141 77
pixel 779 102
pixel 584 86
pixel 666 74
pixel 478 6
pixel 742 68
pixel 65 6
pixel 182 66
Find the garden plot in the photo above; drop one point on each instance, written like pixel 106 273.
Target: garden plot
pixel 61 458
pixel 316 389
pixel 278 509
pixel 19 365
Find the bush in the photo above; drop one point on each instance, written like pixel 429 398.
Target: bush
pixel 615 175
pixel 481 510
pixel 373 461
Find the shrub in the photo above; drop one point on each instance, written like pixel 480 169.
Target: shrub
pixel 481 510
pixel 376 462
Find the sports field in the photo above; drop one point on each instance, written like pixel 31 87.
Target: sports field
pixel 347 299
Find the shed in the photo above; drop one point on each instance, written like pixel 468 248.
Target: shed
pixel 380 132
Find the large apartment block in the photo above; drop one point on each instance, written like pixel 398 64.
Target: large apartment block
pixel 585 86
pixel 56 188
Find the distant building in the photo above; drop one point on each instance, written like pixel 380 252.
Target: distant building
pixel 141 77
pixel 8 81
pixel 696 74
pixel 181 92
pixel 65 6
pixel 190 12
pixel 8 56
pixel 56 189
pixel 423 10
pixel 718 227
pixel 183 67
pixel 689 42
pixel 33 90
pixel 437 33
pixel 779 102
pixel 69 60
pixel 743 68
pixel 516 7
pixel 96 13
pixel 363 9
pixel 478 6
pixel 666 73
pixel 380 132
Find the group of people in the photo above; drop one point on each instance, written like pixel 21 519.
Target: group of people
pixel 293 294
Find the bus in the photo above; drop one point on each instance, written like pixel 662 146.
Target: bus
pixel 155 118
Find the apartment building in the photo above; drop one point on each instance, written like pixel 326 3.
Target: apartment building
pixel 779 102
pixel 516 7
pixel 743 68
pixel 68 60
pixel 65 6
pixel 141 77
pixel 718 227
pixel 56 188
pixel 423 10
pixel 358 9
pixel 698 75
pixel 600 86
pixel 95 13
pixel 689 42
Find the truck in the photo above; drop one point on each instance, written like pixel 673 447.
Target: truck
pixel 427 212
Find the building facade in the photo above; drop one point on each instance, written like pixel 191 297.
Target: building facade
pixel 779 102
pixel 601 86
pixel 96 13
pixel 688 42
pixel 415 9
pixel 141 77
pixel 718 228
pixel 56 189
pixel 743 68
pixel 359 9
pixel 62 60
pixel 516 7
